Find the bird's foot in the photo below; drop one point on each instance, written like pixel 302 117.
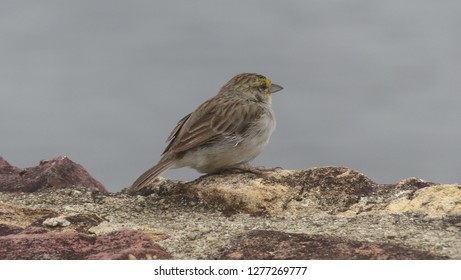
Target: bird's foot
pixel 258 170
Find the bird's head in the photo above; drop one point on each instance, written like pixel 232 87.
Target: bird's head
pixel 253 86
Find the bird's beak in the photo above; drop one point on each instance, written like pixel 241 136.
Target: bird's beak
pixel 275 88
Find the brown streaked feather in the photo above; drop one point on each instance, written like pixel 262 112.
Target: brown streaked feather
pixel 177 128
pixel 209 123
pixel 175 132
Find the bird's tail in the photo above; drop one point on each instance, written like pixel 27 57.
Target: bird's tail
pixel 152 173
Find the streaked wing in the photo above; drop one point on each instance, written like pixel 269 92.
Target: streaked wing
pixel 210 123
pixel 177 128
pixel 174 133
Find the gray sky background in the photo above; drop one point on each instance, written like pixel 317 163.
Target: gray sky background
pixel 372 85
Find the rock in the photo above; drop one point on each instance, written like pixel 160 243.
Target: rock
pixel 58 172
pixel 83 222
pixel 433 201
pixel 9 229
pixel 317 213
pixel 39 245
pixel 24 216
pixel 56 222
pixel 240 193
pixel 275 245
pixel 333 190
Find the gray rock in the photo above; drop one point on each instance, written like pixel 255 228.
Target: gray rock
pixel 318 213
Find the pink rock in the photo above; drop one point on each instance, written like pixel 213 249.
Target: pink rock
pixel 38 244
pixel 59 172
pixel 275 245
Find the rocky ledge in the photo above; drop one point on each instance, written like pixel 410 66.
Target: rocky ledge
pixel 57 211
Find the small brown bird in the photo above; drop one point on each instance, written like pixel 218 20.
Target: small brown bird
pixel 227 131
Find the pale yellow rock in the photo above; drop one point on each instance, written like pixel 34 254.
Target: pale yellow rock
pixel 434 201
pixel 250 196
pixel 56 222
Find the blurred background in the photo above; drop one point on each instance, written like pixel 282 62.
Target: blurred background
pixel 372 85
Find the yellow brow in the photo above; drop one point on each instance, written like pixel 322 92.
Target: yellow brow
pixel 267 82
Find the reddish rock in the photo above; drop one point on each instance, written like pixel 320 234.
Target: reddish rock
pixel 60 172
pixel 9 229
pixel 83 222
pixel 272 245
pixel 38 244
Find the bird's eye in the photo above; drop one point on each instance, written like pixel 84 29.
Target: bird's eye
pixel 263 86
